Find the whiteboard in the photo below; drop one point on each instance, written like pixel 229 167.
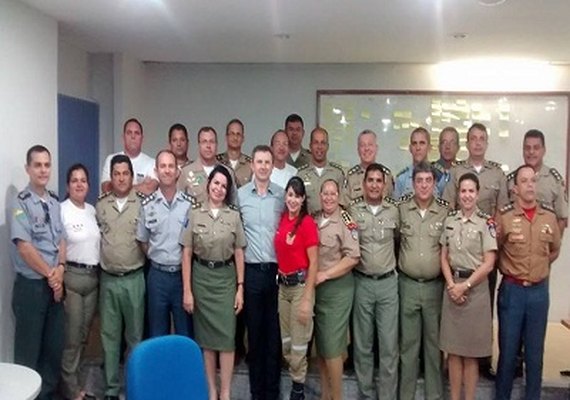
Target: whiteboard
pixel 394 115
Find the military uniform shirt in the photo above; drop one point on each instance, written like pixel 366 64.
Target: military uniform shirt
pixel 492 181
pixel 313 182
pixel 550 190
pixel 193 180
pixel 468 239
pixel 304 158
pixel 160 225
pixel 419 255
pixel 404 184
pixel 242 169
pixel 119 249
pixel 214 238
pixel 260 215
pixel 355 180
pixel 42 229
pixel 376 234
pixel 526 245
pixel 338 238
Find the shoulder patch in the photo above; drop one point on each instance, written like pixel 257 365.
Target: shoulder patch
pixel 24 194
pixel 356 201
pixel 52 194
pixel 390 200
pixel 103 195
pixel 511 175
pixel 402 172
pixel 547 207
pixel 495 164
pixel 443 203
pixel 554 172
pixel 336 165
pixel 354 170
pixel 508 207
pixel 148 199
pixel 406 198
pixel 348 221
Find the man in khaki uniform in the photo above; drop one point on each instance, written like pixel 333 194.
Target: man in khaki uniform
pixel 122 280
pixel 367 151
pixel 550 188
pixel 319 170
pixel 233 157
pixel 295 129
pixel 376 288
pixel 194 177
pixel 530 241
pixel 420 284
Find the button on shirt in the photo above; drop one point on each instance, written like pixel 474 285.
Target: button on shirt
pixel 376 234
pixel 419 245
pixel 260 215
pixel 38 222
pixel 160 225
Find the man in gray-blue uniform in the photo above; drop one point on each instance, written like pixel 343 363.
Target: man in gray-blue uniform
pixel 38 256
pixel 419 148
pixel 163 216
pixel 448 148
pixel 261 204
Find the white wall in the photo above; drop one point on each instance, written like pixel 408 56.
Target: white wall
pixel 72 70
pixel 263 95
pixel 28 89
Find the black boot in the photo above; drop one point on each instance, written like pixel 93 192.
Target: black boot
pixel 297 391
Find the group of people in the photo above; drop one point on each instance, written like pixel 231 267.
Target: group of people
pixel 304 248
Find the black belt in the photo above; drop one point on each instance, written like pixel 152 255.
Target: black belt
pixel 263 267
pixel 461 273
pixel 166 267
pixel 82 266
pixel 421 280
pixel 213 264
pixel 377 277
pixel 121 274
pixel 294 279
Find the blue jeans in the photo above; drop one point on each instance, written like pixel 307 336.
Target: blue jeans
pixel 164 292
pixel 262 321
pixel 523 314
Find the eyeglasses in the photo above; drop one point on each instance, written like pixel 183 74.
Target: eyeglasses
pixel 47 217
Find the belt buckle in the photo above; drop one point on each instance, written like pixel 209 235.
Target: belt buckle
pixel 211 264
pixel 526 283
pixel 456 273
pixel 171 268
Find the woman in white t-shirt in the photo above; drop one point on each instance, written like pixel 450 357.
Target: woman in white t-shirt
pixel 81 276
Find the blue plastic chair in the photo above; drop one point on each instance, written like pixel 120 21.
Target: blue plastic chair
pixel 167 367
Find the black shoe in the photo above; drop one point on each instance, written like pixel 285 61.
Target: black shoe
pixel 519 371
pixel 111 398
pixel 297 391
pixel 488 373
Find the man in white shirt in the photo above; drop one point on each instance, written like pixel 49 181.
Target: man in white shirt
pixel 282 171
pixel 144 179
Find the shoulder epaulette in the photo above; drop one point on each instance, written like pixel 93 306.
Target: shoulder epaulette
pixel 336 165
pixel 437 166
pixel 140 195
pixel 483 214
pixel 508 207
pixel 406 198
pixel 547 207
pixel 53 194
pixel 495 164
pixel 24 194
pixel 247 158
pixel 348 221
pixel 103 195
pixel 511 175
pixel 307 150
pixel 441 202
pixel 391 200
pixel 402 172
pixel 196 205
pixel 452 213
pixel 220 156
pixel 148 199
pixel 233 207
pixel 356 201
pixel 188 197
pixel 304 166
pixel 458 162
pixel 554 172
pixel 354 170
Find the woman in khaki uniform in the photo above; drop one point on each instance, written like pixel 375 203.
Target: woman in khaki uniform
pixel 467 256
pixel 339 252
pixel 213 287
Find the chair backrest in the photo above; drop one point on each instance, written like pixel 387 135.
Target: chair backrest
pixel 167 367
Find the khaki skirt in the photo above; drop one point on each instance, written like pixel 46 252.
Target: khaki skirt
pixel 466 329
pixel 214 291
pixel 333 304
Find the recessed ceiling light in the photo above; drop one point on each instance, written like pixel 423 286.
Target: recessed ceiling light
pixel 459 35
pixel 491 3
pixel 282 36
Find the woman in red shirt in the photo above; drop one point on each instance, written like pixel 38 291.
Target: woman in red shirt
pixel 296 249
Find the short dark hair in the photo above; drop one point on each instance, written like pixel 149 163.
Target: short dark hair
pixel 77 167
pixel 478 126
pixel 119 159
pixel 519 169
pixel 163 151
pixel 136 121
pixel 317 129
pixel 423 166
pixel 452 130
pixel 535 133
pixel 221 169
pixel 421 129
pixel 261 148
pixel 37 148
pixel 235 121
pixel 275 134
pixel 177 127
pixel 207 129
pixel 374 167
pixel 294 118
pixel 469 176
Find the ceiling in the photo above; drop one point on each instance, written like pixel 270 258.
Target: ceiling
pixel 315 31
